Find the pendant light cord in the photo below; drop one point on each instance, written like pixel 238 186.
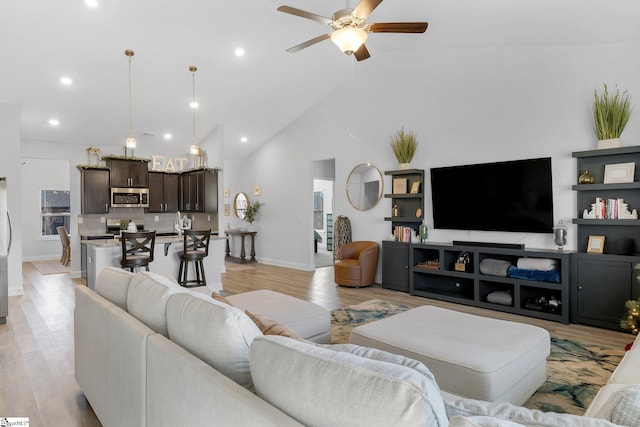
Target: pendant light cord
pixel 193 70
pixel 130 54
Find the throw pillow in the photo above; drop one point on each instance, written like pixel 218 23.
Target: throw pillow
pixel 271 327
pixel 216 296
pixel 480 421
pixel 321 387
pixel 520 415
pixel 623 407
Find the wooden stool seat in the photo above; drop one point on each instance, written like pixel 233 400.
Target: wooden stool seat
pixel 195 248
pixel 137 249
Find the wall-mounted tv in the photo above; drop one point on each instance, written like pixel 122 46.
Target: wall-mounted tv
pixel 504 196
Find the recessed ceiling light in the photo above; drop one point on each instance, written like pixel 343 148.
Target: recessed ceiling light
pixel 239 51
pixel 66 80
pixel 244 139
pixel 167 136
pixel 91 3
pixel 54 122
pixel 194 105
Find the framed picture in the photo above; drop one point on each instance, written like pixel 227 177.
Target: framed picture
pixel 595 245
pixel 227 209
pixel 415 187
pixel 400 186
pixel 619 172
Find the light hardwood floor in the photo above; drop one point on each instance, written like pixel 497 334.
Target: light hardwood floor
pixel 36 344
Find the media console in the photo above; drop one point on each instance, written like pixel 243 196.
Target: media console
pixel 433 274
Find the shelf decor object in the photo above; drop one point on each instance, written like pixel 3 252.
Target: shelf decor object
pixel 595 245
pixel 560 235
pixel 404 145
pixel 619 173
pixel 586 178
pixel 611 113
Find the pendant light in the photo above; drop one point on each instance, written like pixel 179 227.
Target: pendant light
pixel 130 143
pixel 195 149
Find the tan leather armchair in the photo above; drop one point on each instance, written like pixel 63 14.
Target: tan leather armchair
pixel 357 264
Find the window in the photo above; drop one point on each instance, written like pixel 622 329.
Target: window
pixel 55 211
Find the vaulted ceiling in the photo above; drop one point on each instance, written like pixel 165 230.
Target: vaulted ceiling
pixel 255 95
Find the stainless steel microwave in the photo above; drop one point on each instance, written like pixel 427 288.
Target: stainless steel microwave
pixel 129 197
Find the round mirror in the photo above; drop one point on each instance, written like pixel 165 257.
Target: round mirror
pixel 240 203
pixel 364 186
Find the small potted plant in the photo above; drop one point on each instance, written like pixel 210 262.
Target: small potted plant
pixel 611 113
pixel 252 210
pixel 404 146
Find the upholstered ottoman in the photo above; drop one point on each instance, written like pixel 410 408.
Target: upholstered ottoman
pixel 470 356
pixel 308 320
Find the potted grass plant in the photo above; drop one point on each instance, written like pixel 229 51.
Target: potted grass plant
pixel 611 113
pixel 404 145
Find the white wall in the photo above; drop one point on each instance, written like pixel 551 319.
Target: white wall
pixel 37 175
pixel 467 105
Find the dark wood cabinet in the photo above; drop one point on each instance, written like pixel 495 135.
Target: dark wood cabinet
pixel 434 274
pixel 602 283
pixel 95 189
pixel 129 173
pixel 395 266
pixel 601 289
pixel 163 192
pixel 407 207
pixel 199 191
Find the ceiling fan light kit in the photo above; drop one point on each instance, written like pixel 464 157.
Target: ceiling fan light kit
pixel 349 40
pixel 350 30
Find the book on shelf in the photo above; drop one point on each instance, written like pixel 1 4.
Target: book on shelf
pixel 403 234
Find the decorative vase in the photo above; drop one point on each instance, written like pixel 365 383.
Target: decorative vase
pixel 609 143
pixel 560 235
pixel 586 178
pixel 403 166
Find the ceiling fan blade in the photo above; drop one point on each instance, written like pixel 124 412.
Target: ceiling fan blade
pixel 362 53
pixel 365 7
pixel 305 14
pixel 308 43
pixel 398 27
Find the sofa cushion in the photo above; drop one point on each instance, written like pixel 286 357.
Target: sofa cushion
pixel 623 407
pixel 627 371
pixel 113 284
pixel 147 299
pixel 271 327
pixel 332 388
pixel 480 421
pixel 520 415
pixel 215 332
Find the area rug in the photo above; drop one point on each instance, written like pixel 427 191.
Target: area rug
pixel 575 372
pixel 50 266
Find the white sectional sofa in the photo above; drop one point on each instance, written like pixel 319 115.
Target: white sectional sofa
pixel 150 353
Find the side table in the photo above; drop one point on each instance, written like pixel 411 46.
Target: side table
pixel 243 255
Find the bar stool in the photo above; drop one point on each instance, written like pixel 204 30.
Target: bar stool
pixel 65 259
pixel 137 249
pixel 196 247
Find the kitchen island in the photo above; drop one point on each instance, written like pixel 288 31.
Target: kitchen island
pixel 103 253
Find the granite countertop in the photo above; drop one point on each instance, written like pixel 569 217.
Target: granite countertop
pixel 159 240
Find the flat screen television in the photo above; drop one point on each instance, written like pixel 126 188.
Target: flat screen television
pixel 504 196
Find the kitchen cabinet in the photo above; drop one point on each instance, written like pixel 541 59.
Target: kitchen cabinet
pixel 95 191
pixel 129 173
pixel 163 192
pixel 199 191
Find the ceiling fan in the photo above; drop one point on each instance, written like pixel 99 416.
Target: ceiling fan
pixel 350 27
